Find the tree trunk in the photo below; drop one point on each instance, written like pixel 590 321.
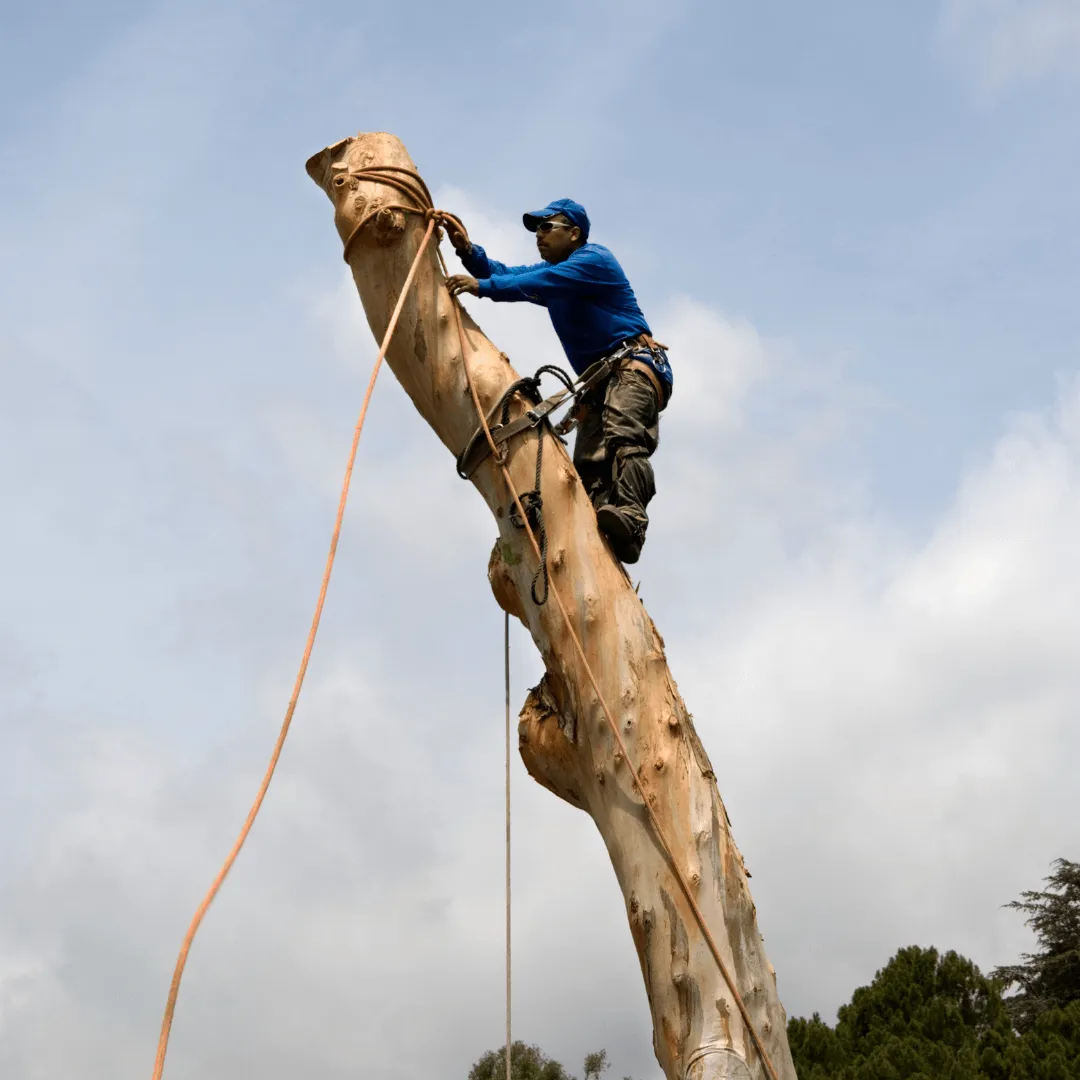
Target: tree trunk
pixel 565 742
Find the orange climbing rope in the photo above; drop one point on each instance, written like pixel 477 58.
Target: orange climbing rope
pixel 181 960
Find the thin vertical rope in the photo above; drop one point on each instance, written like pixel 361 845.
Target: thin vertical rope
pixel 506 672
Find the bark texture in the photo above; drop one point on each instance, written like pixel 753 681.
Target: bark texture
pixel 565 741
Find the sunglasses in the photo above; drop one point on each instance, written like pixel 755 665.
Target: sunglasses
pixel 547 226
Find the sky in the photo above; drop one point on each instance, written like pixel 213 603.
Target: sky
pixel 856 227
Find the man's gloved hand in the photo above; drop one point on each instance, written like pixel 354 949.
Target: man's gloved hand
pixel 457 238
pixel 459 283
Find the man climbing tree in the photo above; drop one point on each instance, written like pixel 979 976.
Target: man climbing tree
pixel 596 316
pixel 638 769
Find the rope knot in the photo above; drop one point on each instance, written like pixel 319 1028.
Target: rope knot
pixel 532 502
pixel 530 387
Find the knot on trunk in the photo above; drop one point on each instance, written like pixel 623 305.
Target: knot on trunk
pixel 387 226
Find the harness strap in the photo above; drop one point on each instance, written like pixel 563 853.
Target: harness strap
pixel 478 448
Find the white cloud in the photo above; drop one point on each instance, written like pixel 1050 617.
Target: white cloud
pixel 895 721
pixel 361 924
pixel 899 686
pixel 719 361
pixel 1002 42
pixel 891 718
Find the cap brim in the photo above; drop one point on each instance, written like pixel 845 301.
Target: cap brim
pixel 533 219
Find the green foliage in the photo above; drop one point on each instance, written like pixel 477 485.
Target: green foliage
pixel 594 1065
pixel 526 1063
pixel 1049 979
pixel 934 1017
pixel 531 1063
pixel 927 1016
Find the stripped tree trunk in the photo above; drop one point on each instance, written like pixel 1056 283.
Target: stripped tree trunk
pixel 565 741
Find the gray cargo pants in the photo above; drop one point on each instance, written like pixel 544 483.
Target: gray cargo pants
pixel 617 433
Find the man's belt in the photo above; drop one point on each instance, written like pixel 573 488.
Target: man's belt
pixel 645 343
pixel 632 364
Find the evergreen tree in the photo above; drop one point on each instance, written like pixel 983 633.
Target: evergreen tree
pixel 934 1017
pixel 923 1016
pixel 1050 978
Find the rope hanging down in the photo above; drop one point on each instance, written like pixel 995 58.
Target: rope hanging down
pixel 506 675
pixel 532 501
pixel 185 948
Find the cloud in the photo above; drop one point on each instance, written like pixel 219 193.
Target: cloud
pixel 368 902
pixel 890 714
pixel 894 683
pixel 1000 43
pixel 893 718
pixel 720 360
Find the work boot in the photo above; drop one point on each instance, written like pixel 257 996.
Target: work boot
pixel 623 534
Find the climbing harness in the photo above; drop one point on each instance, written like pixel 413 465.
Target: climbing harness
pixel 410 184
pixel 477 449
pixel 532 501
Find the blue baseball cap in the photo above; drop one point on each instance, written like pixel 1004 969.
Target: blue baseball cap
pixel 570 209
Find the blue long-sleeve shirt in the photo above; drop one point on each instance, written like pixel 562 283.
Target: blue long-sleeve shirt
pixel 592 306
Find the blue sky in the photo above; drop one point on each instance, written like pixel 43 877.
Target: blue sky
pixel 856 226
